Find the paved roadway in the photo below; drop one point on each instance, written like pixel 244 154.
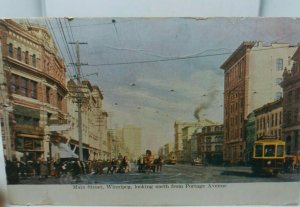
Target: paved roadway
pixel 172 174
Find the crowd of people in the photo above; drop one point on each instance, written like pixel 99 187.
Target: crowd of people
pixel 16 170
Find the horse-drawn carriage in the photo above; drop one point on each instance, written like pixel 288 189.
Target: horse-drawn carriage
pixel 147 163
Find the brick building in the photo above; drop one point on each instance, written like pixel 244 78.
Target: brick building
pixel 210 144
pixel 291 105
pixel 252 77
pixel 36 86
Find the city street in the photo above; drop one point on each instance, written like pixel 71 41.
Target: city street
pixel 172 174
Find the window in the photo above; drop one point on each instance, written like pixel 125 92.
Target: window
pixel 208 139
pixel 34 60
pixel 258 150
pixel 23 86
pixel 19 143
pixel 26 57
pixel 279 64
pixel 208 129
pixel 276 119
pixel 59 101
pixel 47 94
pixel 10 50
pixel 218 148
pixel 280 151
pixel 278 95
pixel 14 86
pixel 269 151
pixel 272 122
pixel 219 139
pixel 278 81
pixel 280 115
pixel 19 56
pixel 208 148
pixel 33 89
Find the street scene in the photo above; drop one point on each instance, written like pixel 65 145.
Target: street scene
pixel 150 100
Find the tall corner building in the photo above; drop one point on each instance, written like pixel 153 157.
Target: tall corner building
pixel 252 77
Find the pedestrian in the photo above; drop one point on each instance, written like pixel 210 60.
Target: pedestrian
pixel 159 163
pixel 44 170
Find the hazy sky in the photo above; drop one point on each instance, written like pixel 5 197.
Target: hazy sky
pixel 153 95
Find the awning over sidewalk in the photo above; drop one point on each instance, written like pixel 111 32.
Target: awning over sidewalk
pixel 65 151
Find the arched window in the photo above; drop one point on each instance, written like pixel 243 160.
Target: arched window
pixel 34 60
pixel 279 64
pixel 10 50
pixel 26 57
pixel 19 56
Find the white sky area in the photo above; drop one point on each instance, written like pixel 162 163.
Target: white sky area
pixel 150 104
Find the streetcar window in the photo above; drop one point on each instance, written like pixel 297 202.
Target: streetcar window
pixel 258 150
pixel 280 150
pixel 269 150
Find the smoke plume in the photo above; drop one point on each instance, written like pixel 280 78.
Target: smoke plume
pixel 210 97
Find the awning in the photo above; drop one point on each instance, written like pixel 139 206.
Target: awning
pixel 30 136
pixel 65 151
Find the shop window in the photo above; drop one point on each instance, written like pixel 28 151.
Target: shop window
pixel 19 143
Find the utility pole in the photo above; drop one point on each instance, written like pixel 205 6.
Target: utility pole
pixel 79 97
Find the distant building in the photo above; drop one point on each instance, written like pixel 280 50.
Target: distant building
pixel 168 149
pixel 132 137
pixel 182 136
pixel 252 77
pixel 291 105
pixel 210 144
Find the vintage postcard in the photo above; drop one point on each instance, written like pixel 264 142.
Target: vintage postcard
pixel 151 111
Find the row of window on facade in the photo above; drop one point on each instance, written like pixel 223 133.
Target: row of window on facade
pixel 28 88
pixel 209 148
pixel 19 55
pixel 212 129
pixel 264 122
pixel 217 139
pixel 24 143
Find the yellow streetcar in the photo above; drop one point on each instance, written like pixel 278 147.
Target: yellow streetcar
pixel 268 156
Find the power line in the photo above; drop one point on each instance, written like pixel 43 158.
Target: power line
pixel 62 33
pixel 49 25
pixel 177 58
pixel 71 37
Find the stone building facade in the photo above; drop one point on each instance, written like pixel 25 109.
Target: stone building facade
pixel 210 144
pixel 268 119
pixel 94 121
pixel 36 85
pixel 291 105
pixel 252 77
